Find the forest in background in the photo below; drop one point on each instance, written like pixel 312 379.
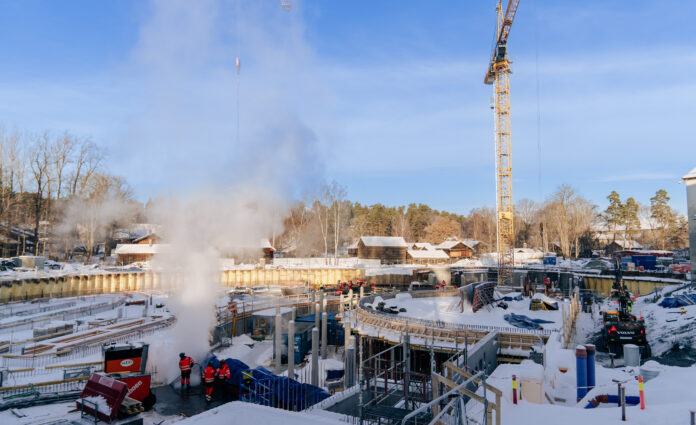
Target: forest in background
pixel 56 195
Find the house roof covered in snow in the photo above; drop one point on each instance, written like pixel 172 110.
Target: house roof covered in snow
pixel 134 248
pixel 422 245
pixel 428 254
pixel 452 244
pixel 690 175
pixel 627 244
pixel 384 241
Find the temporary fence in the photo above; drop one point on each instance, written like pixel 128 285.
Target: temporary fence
pixel 77 352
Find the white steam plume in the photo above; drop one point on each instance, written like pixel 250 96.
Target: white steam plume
pixel 220 194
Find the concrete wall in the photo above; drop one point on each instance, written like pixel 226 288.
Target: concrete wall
pixel 691 214
pixel 602 285
pixel 75 285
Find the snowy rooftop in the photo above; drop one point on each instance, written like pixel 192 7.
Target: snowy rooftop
pixel 132 248
pixel 436 254
pixel 452 244
pixel 384 241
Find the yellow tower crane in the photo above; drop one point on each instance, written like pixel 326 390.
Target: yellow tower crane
pixel 499 75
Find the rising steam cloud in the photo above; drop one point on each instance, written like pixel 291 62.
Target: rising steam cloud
pixel 223 187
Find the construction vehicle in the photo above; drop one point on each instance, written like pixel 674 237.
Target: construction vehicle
pixel 498 74
pixel 621 326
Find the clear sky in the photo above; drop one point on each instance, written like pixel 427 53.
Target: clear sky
pixel 387 98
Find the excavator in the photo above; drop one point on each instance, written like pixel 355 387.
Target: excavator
pixel 621 326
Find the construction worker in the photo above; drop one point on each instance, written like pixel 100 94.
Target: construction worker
pixel 209 380
pixel 223 374
pixel 185 365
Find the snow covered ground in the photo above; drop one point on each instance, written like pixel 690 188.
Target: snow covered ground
pixel 448 309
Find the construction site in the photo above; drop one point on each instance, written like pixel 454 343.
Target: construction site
pixel 200 324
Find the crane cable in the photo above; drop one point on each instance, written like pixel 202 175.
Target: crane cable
pixel 538 97
pixel 237 64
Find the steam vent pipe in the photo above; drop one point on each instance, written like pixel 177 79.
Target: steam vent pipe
pixel 590 349
pixel 581 370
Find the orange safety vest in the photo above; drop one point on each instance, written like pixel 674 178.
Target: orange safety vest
pixel 209 374
pixel 185 364
pixel 224 372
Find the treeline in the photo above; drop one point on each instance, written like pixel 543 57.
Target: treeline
pixel 55 193
pixel 565 222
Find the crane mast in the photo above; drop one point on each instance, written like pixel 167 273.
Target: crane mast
pixel 498 75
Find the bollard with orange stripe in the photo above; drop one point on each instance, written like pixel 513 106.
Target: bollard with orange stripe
pixel 640 390
pixel 514 389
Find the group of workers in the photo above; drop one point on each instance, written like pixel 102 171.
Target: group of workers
pixel 209 375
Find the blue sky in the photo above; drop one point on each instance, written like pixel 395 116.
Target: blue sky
pixel 384 97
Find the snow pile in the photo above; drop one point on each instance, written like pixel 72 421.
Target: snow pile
pixel 102 405
pixel 249 413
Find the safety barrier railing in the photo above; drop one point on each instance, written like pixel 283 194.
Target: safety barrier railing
pixel 35 390
pixel 445 324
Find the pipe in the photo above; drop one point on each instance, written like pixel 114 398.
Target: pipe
pixel 291 349
pixel 315 357
pixel 278 340
pixel 581 371
pixel 590 349
pixel 324 335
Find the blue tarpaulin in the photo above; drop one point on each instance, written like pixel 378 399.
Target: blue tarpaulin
pixel 517 297
pixel 522 321
pixel 678 301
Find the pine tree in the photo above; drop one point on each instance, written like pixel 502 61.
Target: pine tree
pixel 614 211
pixel 661 211
pixel 631 221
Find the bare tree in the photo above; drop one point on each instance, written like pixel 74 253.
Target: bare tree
pixel 39 162
pixel 337 194
pixel 62 148
pixel 87 162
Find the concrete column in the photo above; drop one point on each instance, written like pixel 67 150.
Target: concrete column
pixel 315 357
pixel 340 304
pixel 291 349
pixel 350 299
pixel 294 314
pixel 321 304
pixel 346 329
pixel 350 363
pixel 278 340
pixel 314 300
pixel 317 315
pixel 324 334
pixel 362 292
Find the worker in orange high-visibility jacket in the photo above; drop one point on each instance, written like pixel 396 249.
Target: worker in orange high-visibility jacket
pixel 223 384
pixel 223 371
pixel 185 365
pixel 209 380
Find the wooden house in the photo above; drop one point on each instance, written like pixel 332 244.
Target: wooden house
pixel 388 249
pixel 427 256
pixel 456 249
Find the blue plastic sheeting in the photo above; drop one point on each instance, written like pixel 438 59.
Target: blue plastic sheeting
pixel 236 368
pixel 334 374
pixel 310 318
pixel 679 301
pixel 517 297
pixel 522 321
pixel 273 390
pixel 631 400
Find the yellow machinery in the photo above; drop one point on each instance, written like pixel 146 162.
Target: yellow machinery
pixel 499 75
